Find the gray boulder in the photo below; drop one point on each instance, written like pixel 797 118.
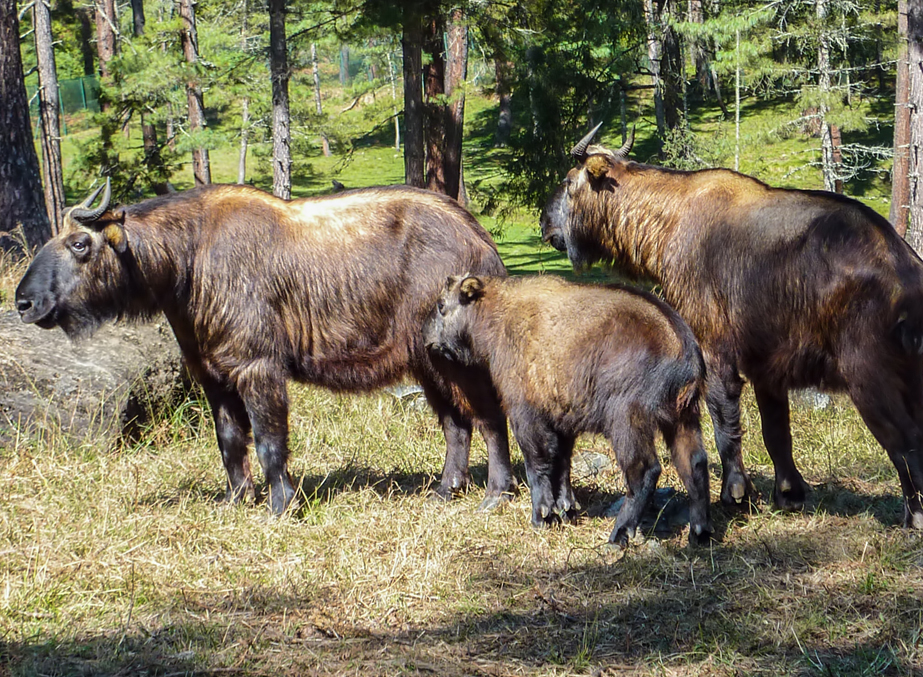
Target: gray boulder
pixel 102 388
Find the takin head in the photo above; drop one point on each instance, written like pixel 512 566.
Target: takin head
pixel 597 167
pixel 71 280
pixel 447 329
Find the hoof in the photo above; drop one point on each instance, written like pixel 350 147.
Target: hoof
pixel 700 535
pixel 914 521
pixel 789 496
pixel 244 494
pixel 495 502
pixel 620 537
pixel 738 490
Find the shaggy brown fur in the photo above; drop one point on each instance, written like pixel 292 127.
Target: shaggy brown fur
pixel 331 291
pixel 791 288
pixel 568 359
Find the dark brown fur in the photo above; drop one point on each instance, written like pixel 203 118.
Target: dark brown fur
pixel 331 291
pixel 570 359
pixel 791 288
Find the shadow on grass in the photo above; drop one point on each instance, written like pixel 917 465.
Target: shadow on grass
pixel 754 608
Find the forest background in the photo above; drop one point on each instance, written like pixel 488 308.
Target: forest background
pixel 272 90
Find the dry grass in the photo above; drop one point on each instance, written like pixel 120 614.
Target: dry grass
pixel 122 562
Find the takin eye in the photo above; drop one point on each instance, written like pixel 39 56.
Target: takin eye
pixel 440 306
pixel 80 245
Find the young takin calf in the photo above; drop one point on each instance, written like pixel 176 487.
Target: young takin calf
pixel 568 359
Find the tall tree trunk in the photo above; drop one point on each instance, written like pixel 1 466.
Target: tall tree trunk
pixel 695 13
pixel 318 105
pixel 671 71
pixel 434 106
pixel 412 48
pixel 828 161
pixel 900 178
pixel 201 169
pixel 503 70
pixel 344 65
pixel 654 55
pixel 244 140
pixel 397 122
pixel 21 201
pixel 281 132
pixel 915 59
pixel 244 106
pixel 106 34
pixel 49 105
pixel 152 159
pixel 456 73
pixel 85 37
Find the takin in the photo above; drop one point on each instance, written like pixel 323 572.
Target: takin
pixel 331 291
pixel 790 288
pixel 569 359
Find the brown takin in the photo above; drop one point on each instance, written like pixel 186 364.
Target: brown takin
pixel 331 291
pixel 790 288
pixel 569 359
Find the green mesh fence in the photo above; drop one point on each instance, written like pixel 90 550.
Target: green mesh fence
pixel 77 96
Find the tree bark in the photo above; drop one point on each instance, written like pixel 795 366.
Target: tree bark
pixel 49 105
pixel 654 55
pixel 671 71
pixel 828 161
pixel 915 59
pixel 900 179
pixel 281 132
pixel 244 106
pixel 21 203
pixel 411 45
pixel 456 73
pixel 106 38
pixel 397 122
pixel 318 104
pixel 434 107
pixel 201 168
pixel 152 159
pixel 503 70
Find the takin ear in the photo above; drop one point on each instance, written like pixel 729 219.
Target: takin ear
pixel 471 289
pixel 114 232
pixel 604 172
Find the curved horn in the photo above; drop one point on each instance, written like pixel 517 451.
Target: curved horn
pixel 626 147
pixel 83 214
pixel 579 151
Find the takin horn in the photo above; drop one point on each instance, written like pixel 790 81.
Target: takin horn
pixel 626 147
pixel 579 151
pixel 83 214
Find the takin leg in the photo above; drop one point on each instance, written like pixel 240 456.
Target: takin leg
pixel 473 387
pixel 565 504
pixel 262 388
pixel 633 444
pixel 684 439
pixel 724 385
pixel 232 427
pixel 539 445
pixel 501 486
pixel 891 406
pixel 457 430
pixel 789 490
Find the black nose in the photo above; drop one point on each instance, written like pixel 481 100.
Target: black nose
pixel 23 305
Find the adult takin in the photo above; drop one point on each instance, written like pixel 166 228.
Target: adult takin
pixel 790 288
pixel 331 291
pixel 568 359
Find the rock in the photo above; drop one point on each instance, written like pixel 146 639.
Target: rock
pixel 108 386
pixel 809 398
